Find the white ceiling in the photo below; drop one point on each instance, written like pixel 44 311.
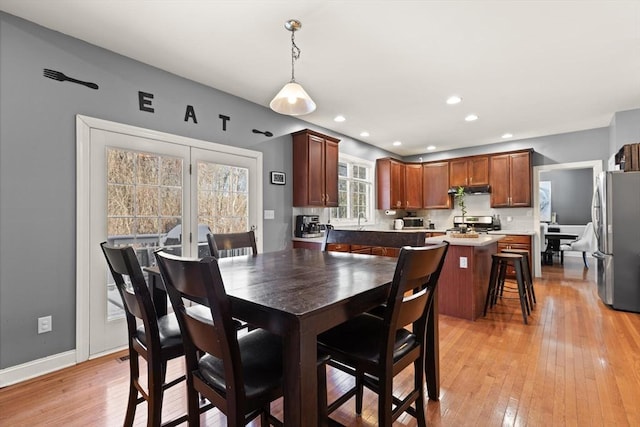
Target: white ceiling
pixel 529 68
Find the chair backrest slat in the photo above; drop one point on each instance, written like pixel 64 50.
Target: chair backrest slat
pixel 220 244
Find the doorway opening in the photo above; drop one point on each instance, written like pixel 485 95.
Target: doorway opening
pixel 538 247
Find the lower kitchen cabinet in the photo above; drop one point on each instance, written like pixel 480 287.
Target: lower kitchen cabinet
pixel 516 241
pixel 356 249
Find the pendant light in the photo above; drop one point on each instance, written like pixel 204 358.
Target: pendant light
pixel 292 99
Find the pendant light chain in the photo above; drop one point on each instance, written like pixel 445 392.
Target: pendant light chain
pixel 295 54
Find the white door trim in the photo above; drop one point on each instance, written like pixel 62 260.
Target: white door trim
pixel 84 124
pixel 595 165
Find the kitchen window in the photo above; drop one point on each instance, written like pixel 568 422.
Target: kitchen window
pixel 355 191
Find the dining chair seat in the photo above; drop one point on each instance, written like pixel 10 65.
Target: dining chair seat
pixel 261 361
pixel 168 332
pixel 361 338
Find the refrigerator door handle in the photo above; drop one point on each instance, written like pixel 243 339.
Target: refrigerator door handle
pixel 598 254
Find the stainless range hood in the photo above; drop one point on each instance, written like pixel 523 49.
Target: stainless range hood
pixel 472 189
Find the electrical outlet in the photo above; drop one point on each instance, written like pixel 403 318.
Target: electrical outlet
pixel 463 262
pixel 44 324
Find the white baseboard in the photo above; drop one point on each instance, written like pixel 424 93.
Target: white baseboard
pixel 35 368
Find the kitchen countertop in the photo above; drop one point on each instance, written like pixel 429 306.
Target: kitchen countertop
pixel 513 232
pixel 481 240
pixel 411 230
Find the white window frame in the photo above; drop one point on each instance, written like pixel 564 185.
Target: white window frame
pixel 370 212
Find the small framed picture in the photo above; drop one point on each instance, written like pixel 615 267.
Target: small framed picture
pixel 278 178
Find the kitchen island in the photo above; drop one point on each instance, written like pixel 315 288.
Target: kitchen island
pixel 464 279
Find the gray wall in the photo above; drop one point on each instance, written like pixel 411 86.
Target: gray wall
pixel 548 150
pixel 624 129
pixel 37 165
pixel 571 193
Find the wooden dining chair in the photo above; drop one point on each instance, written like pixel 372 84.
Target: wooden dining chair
pixel 240 375
pixel 157 340
pixel 221 245
pixel 374 349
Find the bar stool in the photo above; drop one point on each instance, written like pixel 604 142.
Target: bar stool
pixel 499 264
pixel 528 277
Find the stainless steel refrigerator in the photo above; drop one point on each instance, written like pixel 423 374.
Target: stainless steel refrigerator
pixel 616 222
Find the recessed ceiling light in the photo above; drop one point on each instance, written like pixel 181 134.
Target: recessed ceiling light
pixel 339 118
pixel 507 135
pixel 455 99
pixel 431 147
pixel 471 118
pixel 364 134
pixel 397 143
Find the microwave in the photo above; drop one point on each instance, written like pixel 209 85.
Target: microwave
pixel 413 222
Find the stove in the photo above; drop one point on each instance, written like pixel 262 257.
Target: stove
pixel 481 224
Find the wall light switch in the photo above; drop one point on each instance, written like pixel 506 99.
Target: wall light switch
pixel 463 262
pixel 269 214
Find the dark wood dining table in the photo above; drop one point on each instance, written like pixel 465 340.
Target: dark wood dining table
pixel 300 293
pixel 553 244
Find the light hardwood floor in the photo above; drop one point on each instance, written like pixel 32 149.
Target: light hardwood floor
pixel 576 363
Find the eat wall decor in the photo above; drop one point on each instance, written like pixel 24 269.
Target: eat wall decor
pixel 145 103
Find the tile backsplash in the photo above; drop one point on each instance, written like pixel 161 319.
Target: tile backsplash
pixel 520 219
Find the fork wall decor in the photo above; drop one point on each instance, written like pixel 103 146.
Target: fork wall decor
pixel 57 75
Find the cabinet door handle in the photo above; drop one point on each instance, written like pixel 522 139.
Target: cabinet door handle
pixel 326 198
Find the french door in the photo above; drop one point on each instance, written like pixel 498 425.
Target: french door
pixel 150 190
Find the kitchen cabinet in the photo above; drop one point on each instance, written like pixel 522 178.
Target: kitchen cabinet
pixel 435 185
pixel 468 171
pixel 511 180
pixel 315 169
pixel 413 185
pixel 390 177
pixel 364 249
pixel 515 241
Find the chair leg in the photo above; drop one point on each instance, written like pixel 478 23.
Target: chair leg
pixel 359 391
pixel 492 286
pixel 134 373
pixel 521 291
pixel 419 386
pixel 562 257
pixel 154 405
pixel 584 259
pixel 193 405
pixel 385 403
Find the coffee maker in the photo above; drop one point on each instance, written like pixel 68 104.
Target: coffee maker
pixel 307 226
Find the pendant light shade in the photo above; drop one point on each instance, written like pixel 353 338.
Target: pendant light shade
pixel 292 99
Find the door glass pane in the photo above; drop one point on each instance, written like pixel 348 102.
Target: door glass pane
pixel 144 208
pixel 223 201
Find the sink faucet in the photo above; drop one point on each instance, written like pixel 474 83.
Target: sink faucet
pixel 361 215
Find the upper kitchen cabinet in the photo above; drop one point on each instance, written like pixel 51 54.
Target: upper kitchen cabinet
pixel 315 169
pixel 511 179
pixel 413 185
pixel 435 185
pixel 469 171
pixel 390 177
